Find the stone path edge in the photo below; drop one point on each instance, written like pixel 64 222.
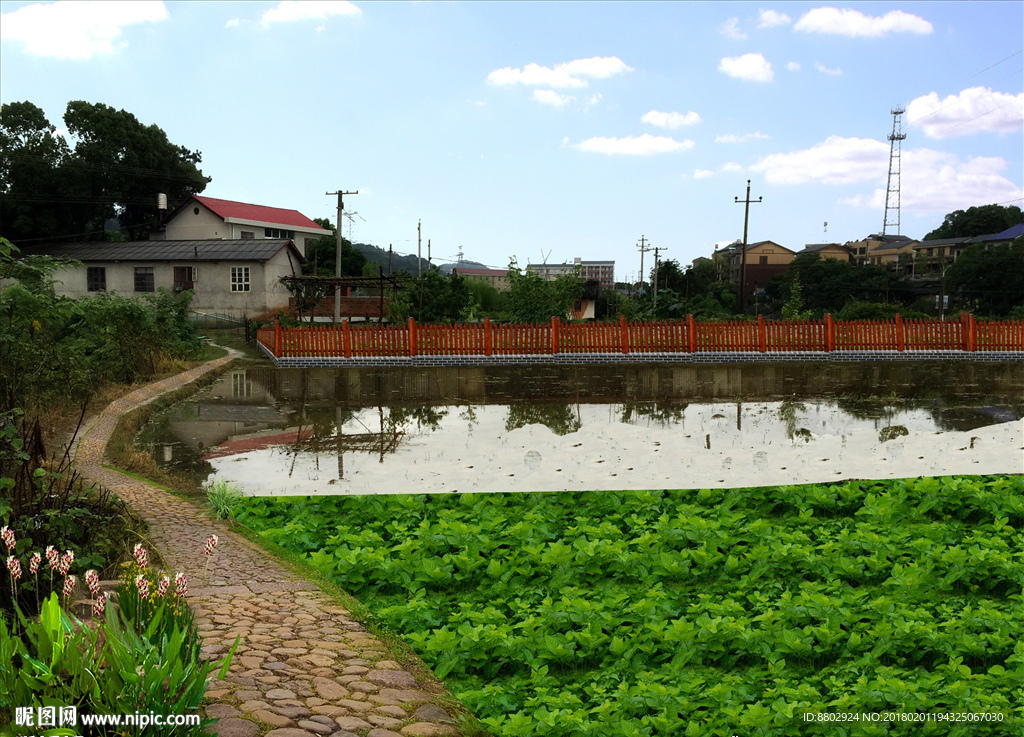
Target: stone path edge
pixel 305 667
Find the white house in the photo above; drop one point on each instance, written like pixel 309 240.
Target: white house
pixel 207 218
pixel 238 277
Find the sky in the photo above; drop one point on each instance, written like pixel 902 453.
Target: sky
pixel 548 131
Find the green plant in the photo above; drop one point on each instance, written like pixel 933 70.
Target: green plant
pixel 221 497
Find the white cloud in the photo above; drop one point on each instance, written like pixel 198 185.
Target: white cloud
pixel 931 181
pixel 770 18
pixel 849 22
pixel 974 110
pixel 825 70
pixel 233 23
pixel 936 181
pixel 672 121
pixel 836 160
pixel 731 29
pixel 290 10
pixel 734 138
pixel 793 66
pixel 731 166
pixel 702 173
pixel 568 75
pixel 550 97
pixel 74 29
pixel 751 67
pixel 645 145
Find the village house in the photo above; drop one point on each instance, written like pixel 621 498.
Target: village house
pixel 764 260
pixel 497 278
pixel 827 250
pixel 206 218
pixel 237 277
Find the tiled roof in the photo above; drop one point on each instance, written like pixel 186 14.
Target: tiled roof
pixel 811 247
pixel 257 249
pixel 941 242
pixel 893 245
pixel 1007 235
pixel 259 213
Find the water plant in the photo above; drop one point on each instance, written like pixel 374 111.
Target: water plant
pixel 221 497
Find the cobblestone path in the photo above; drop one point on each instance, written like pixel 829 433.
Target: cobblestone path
pixel 303 667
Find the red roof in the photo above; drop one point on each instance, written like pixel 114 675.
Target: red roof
pixel 480 272
pixel 259 213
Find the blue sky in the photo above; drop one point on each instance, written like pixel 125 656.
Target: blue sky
pixel 519 129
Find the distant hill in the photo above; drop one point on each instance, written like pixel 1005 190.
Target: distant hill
pixel 399 264
pixel 447 268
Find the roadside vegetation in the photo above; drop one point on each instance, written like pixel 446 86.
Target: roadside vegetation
pixel 706 612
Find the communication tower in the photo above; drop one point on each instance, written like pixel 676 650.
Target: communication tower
pixel 892 190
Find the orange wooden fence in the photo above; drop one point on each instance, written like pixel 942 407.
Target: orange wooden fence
pixel 672 336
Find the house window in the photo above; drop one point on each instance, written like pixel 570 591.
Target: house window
pixel 184 278
pixel 144 281
pixel 861 251
pixel 762 260
pixel 239 278
pixel 248 235
pixel 241 387
pixel 96 278
pixel 277 233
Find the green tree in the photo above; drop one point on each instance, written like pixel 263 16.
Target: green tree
pixel 826 284
pixel 432 298
pixel 977 221
pixel 116 169
pixel 321 253
pixel 531 298
pixel 991 282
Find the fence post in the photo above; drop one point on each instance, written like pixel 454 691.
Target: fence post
pixel 972 329
pixel 691 334
pixel 830 333
pixel 554 334
pixel 412 336
pixel 346 339
pixel 277 338
pixel 623 334
pixel 488 342
pixel 900 339
pixel 762 335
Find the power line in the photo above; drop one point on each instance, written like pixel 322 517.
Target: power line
pixel 1018 51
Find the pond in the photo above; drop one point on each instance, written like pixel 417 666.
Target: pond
pixel 555 428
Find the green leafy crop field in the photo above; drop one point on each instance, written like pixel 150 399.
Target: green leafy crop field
pixel 895 606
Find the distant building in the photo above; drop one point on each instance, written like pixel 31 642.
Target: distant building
pixel 602 272
pixel 204 218
pixel 827 250
pixel 879 250
pixel 764 260
pixel 497 278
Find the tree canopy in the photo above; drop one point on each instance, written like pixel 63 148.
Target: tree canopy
pixel 321 253
pixel 977 221
pixel 531 298
pixel 989 282
pixel 826 284
pixel 116 168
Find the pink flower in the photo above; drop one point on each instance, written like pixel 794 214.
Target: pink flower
pixel 141 556
pixel 99 605
pixel 52 557
pixel 14 566
pixel 142 584
pixel 182 583
pixel 92 579
pixel 211 543
pixel 161 588
pixel 65 563
pixel 33 563
pixel 69 585
pixel 7 535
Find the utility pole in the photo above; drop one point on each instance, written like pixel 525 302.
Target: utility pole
pixel 643 249
pixel 429 259
pixel 337 255
pixel 419 249
pixel 389 259
pixel 656 275
pixel 743 254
